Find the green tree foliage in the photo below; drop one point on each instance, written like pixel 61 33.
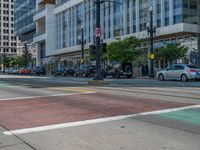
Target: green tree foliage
pixel 14 61
pixel 171 52
pixel 6 61
pixel 124 50
pixel 21 61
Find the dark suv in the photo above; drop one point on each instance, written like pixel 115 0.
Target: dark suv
pixel 119 69
pixel 68 72
pixel 59 71
pixel 85 71
pixel 39 70
pixel 62 71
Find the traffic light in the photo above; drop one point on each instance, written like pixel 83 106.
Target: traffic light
pixel 92 49
pixel 103 47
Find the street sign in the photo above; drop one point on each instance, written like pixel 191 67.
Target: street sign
pixel 99 32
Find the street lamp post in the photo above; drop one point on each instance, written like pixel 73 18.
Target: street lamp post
pixel 98 75
pixel 151 30
pixel 4 55
pixel 26 54
pixel 82 44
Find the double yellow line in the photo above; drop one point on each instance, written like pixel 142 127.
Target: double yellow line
pixel 79 90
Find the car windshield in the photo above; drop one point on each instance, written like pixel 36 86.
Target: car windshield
pixel 91 67
pixel 61 68
pixel 192 66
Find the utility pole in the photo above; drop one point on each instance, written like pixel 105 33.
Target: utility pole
pixel 151 30
pixel 98 75
pixel 82 44
pixel 26 54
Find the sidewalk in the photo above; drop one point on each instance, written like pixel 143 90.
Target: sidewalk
pixel 12 142
pixel 146 77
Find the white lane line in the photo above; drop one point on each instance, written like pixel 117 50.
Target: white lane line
pixel 92 121
pixel 45 96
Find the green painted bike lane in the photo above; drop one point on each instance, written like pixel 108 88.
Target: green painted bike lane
pixel 191 116
pixel 5 85
pixel 186 120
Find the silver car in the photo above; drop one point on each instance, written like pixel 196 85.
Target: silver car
pixel 183 72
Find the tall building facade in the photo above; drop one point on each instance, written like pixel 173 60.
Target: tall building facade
pixel 7 36
pixel 25 27
pixel 175 20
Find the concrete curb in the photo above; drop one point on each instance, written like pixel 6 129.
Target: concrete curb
pixel 98 82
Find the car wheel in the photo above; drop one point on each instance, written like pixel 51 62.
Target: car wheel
pixel 129 76
pixel 117 76
pixel 128 68
pixel 184 78
pixel 85 75
pixel 161 77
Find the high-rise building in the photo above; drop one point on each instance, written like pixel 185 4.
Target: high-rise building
pixel 59 26
pixel 25 27
pixel 7 36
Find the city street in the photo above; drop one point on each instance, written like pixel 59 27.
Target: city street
pixel 48 113
pixel 99 75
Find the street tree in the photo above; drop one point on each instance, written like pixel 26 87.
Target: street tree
pixel 171 52
pixel 13 61
pixel 6 61
pixel 21 61
pixel 126 50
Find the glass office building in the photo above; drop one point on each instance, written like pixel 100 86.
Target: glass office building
pixel 176 21
pixel 25 27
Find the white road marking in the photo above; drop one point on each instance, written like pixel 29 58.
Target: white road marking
pixel 92 121
pixel 33 97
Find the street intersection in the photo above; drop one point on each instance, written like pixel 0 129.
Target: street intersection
pixel 47 113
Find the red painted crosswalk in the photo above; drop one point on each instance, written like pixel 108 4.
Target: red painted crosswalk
pixel 28 113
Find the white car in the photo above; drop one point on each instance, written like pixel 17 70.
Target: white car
pixel 183 72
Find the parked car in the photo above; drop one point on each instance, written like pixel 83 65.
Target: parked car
pixel 59 72
pixel 9 71
pixel 85 71
pixel 68 72
pixel 118 70
pixel 183 72
pixel 15 71
pixel 25 72
pixel 12 71
pixel 39 70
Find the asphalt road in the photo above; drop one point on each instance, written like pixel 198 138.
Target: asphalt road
pixel 47 113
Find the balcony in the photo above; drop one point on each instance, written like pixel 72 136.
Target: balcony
pixel 39 14
pixel 39 37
